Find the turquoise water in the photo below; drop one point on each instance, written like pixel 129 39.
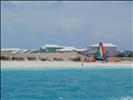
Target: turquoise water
pixel 67 84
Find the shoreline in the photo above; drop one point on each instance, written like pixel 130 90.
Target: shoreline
pixel 64 64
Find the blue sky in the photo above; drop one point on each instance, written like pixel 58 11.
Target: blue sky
pixel 31 24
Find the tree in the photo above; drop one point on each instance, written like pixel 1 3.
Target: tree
pixel 130 55
pixel 120 55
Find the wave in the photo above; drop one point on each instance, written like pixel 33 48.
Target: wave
pixel 123 98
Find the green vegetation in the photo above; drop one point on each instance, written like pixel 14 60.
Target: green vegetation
pixel 123 55
pixel 130 55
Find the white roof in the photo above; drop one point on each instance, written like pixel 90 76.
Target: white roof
pixel 53 45
pixel 7 49
pixel 42 47
pixel 104 44
pixel 17 51
pixel 32 49
pixel 81 49
pixel 71 49
pixel 23 51
pixel 68 49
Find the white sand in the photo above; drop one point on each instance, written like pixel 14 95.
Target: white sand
pixel 63 64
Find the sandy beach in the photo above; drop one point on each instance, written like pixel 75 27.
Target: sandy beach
pixel 63 64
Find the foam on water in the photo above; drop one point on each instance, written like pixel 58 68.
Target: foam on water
pixel 127 98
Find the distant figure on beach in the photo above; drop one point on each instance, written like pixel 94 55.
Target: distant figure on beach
pixel 82 64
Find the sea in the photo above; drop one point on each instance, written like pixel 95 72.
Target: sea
pixel 67 84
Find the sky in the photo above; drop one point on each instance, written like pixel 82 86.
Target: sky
pixel 31 24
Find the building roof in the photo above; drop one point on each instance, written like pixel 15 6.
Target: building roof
pixel 52 46
pixel 104 44
pixel 42 47
pixel 71 49
pixel 7 49
pixel 23 51
pixel 68 49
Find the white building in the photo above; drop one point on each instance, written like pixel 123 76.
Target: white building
pixel 70 49
pixel 109 49
pixel 127 52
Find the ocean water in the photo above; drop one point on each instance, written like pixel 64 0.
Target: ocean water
pixel 67 84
